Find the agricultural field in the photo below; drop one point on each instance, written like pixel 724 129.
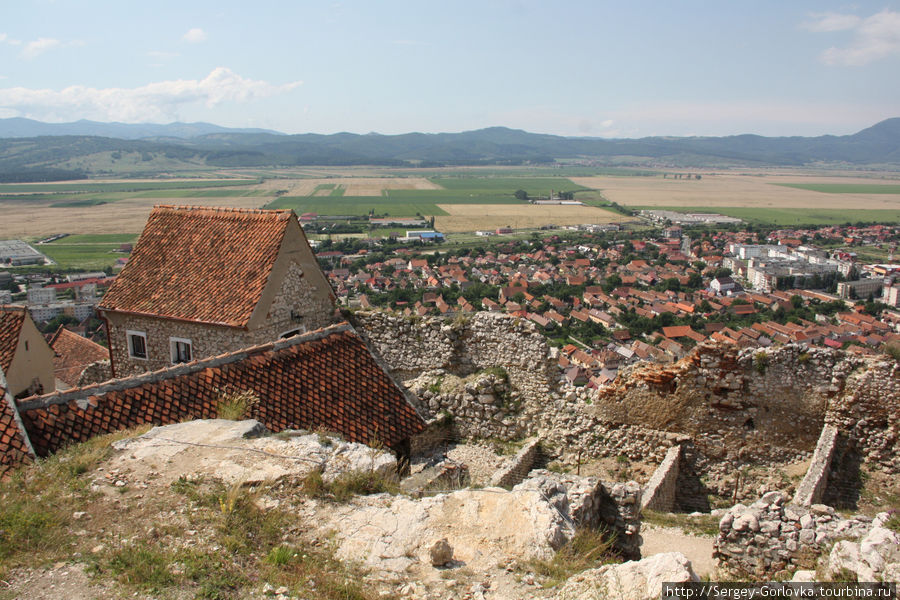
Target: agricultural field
pixel 87 251
pixel 715 191
pixel 461 198
pixel 846 188
pixel 351 186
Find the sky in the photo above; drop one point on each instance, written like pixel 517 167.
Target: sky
pixel 574 68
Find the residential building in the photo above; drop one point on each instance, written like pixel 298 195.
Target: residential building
pixel 205 281
pixel 25 357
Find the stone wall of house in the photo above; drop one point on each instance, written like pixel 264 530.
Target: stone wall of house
pixel 771 539
pixel 298 306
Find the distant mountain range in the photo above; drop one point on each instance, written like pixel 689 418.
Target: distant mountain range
pixel 28 148
pixel 22 128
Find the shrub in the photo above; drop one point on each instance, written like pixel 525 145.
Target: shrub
pixel 590 548
pixel 347 485
pixel 235 404
pixel 803 358
pixel 893 350
pixel 893 522
pixel 760 362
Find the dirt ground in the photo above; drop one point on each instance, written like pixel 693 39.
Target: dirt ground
pixel 697 548
pixel 734 190
pixel 472 217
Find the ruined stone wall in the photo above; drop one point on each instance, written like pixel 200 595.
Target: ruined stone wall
pixel 514 472
pixel 659 493
pixel 770 539
pixel 738 408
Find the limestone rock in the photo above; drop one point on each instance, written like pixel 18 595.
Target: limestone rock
pixel 635 580
pixel 241 452
pixel 484 527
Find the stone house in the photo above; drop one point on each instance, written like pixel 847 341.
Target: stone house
pixel 205 281
pixel 25 357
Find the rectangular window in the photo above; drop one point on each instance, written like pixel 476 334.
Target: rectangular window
pixel 182 351
pixel 137 344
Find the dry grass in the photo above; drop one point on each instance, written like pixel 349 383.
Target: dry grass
pixel 732 190
pixel 21 219
pixel 472 217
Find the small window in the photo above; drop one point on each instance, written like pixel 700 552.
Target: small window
pixel 182 351
pixel 137 344
pixel 290 333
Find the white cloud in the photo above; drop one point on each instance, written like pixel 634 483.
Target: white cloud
pixel 194 36
pixel 874 38
pixel 37 47
pixel 158 101
pixel 3 37
pixel 830 21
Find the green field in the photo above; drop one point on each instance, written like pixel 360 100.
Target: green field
pixel 845 188
pixel 357 205
pixel 791 216
pixel 118 186
pixel 535 186
pixel 87 251
pixel 408 203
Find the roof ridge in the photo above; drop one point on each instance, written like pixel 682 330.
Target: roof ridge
pixel 112 385
pixel 224 209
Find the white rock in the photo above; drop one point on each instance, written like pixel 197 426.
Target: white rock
pixel 804 576
pixel 635 580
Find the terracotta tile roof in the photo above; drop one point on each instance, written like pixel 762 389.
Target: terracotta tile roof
pixel 326 378
pixel 15 450
pixel 73 353
pixel 200 264
pixel 11 319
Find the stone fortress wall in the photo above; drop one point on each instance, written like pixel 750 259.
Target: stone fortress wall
pixel 728 408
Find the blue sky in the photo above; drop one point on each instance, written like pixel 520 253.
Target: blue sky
pixel 571 68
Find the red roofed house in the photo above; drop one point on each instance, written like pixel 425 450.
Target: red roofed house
pixel 73 353
pixel 25 357
pixel 205 281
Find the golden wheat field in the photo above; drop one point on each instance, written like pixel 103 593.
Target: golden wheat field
pixel 473 217
pixel 731 190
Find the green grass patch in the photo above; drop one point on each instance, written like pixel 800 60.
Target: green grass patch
pixel 337 192
pixel 532 185
pixel 790 216
pixel 112 239
pixel 697 525
pixel 344 487
pixel 589 549
pixel 89 256
pixel 356 206
pixel 845 188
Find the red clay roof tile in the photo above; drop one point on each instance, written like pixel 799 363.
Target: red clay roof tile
pixel 11 319
pixel 326 378
pixel 73 354
pixel 187 252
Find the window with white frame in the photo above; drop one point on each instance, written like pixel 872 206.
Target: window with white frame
pixel 137 344
pixel 182 350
